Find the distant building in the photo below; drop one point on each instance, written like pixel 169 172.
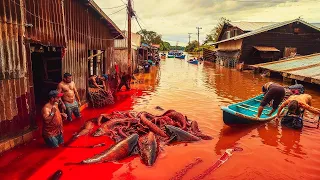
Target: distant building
pixel 259 42
pixel 121 51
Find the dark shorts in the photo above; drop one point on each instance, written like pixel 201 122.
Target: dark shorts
pixel 293 122
pixel 275 93
pixel 72 108
pixel 54 141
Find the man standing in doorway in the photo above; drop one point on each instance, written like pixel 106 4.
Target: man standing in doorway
pixel 70 96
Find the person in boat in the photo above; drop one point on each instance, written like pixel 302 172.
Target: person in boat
pixel 296 105
pixel 52 130
pixel 272 92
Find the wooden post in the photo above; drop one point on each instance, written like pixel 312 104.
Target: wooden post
pixel 198 28
pixel 129 32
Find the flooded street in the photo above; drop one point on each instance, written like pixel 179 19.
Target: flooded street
pixel 197 91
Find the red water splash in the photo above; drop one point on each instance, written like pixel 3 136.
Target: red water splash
pixel 184 171
pixel 226 155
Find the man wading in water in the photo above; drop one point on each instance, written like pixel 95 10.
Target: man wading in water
pixel 70 94
pixel 125 81
pixel 52 132
pixel 296 106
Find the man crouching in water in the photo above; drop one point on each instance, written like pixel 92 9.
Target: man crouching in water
pixel 70 94
pixel 52 132
pixel 296 105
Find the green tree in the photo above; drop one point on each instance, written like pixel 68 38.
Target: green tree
pixel 191 47
pixel 215 32
pixel 150 37
pixel 164 46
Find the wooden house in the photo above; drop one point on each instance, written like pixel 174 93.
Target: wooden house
pixel 252 43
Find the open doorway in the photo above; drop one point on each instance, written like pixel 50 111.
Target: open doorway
pixel 46 68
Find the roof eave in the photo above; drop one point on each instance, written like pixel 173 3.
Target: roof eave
pixel 95 7
pixel 268 28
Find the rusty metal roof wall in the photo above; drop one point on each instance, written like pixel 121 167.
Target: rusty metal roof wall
pixel 85 31
pixel 12 51
pixel 250 26
pixel 46 19
pixel 297 67
pixel 15 100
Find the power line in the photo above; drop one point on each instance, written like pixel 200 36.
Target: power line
pixel 113 7
pixel 117 11
pixel 144 24
pixel 138 22
pixel 124 3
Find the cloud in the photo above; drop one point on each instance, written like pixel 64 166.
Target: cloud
pixel 174 19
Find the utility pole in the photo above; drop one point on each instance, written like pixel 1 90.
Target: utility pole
pixel 189 37
pixel 130 14
pixel 199 37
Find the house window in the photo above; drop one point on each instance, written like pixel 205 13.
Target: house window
pixel 235 32
pixel 296 30
pixel 227 34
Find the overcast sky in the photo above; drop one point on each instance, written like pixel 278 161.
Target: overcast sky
pixel 174 19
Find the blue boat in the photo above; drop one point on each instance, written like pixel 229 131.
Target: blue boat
pixel 244 112
pixel 192 61
pixel 182 56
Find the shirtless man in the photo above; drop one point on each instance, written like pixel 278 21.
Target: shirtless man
pixel 52 131
pixel 98 82
pixel 303 101
pixel 296 106
pixel 70 96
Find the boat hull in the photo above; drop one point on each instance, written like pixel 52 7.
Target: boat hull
pixel 232 119
pixel 170 56
pixel 181 57
pixel 193 62
pixel 244 112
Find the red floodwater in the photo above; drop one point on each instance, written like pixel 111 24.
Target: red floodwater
pixel 269 151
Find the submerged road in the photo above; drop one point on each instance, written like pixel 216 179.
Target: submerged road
pixel 198 91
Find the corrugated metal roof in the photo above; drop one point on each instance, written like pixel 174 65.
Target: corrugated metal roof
pixel 250 26
pixel 267 28
pixel 316 24
pixel 116 31
pixel 296 68
pixel 264 48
